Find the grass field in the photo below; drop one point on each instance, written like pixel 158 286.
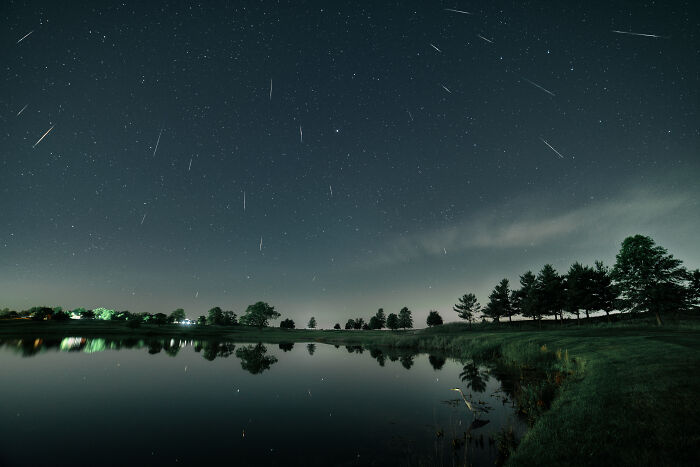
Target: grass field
pixel 630 397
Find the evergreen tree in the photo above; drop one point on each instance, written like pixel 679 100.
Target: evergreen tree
pixel 405 318
pixel 579 289
pixel 381 318
pixel 604 291
pixel 499 302
pixel 312 323
pixel 526 297
pixel 549 291
pixel 434 319
pixel 468 307
pixel 649 278
pixel 694 290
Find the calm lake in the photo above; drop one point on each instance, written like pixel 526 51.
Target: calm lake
pixel 169 401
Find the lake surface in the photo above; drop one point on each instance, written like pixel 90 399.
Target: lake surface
pixel 169 401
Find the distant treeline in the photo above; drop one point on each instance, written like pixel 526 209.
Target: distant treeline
pixel 645 278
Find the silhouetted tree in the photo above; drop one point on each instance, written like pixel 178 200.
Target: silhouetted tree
pixel 312 323
pixel 434 318
pixel 359 323
pixel 202 320
pixel 336 326
pixel 177 316
pixel 605 293
pixel 694 289
pixel 215 316
pixel 259 314
pixel 392 321
pixel 350 324
pixel 578 287
pixel 649 278
pixel 499 302
pixel 467 307
pixel 549 291
pixel 525 299
pixel 380 320
pixel 365 327
pixel 229 318
pixel 405 318
pixel 287 324
pixel 160 318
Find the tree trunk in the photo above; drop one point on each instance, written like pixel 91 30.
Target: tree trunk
pixel 658 319
pixel 587 315
pixel 510 318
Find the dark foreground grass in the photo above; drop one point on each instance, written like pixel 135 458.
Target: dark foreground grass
pixel 630 397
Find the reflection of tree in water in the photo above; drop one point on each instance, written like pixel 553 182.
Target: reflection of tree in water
pixel 155 347
pixel 311 348
pixel 286 346
pixel 378 355
pixel 406 361
pixel 171 347
pixel 213 349
pixel 253 358
pixel 475 378
pixel 354 348
pixel 437 361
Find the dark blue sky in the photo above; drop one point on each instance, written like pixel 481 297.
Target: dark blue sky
pixel 391 153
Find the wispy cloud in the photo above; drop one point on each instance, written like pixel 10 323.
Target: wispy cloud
pixel 532 227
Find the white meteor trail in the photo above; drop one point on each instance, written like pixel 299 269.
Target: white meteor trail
pixel 43 136
pixel 458 11
pixel 20 112
pixel 540 87
pixel 445 88
pixel 244 201
pixel 261 243
pixel 301 135
pixel 25 36
pixel 270 88
pixel 433 46
pixel 190 166
pixel 331 188
pixel 629 33
pixel 482 37
pixel 551 147
pixel 143 218
pixel 157 142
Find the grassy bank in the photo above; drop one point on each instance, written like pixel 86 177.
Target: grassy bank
pixel 630 398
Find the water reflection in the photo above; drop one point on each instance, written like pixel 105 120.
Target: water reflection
pixel 430 425
pixel 475 377
pixel 254 359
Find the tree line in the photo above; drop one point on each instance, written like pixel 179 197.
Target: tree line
pixel 645 278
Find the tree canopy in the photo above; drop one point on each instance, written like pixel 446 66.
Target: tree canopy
pixel 467 307
pixel 434 319
pixel 649 279
pixel 259 315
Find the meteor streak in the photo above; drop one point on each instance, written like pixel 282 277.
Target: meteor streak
pixel 551 147
pixel 540 87
pixel 25 36
pixel 43 136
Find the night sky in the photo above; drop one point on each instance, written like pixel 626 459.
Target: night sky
pixel 332 158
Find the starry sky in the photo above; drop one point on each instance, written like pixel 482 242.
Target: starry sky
pixel 332 158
